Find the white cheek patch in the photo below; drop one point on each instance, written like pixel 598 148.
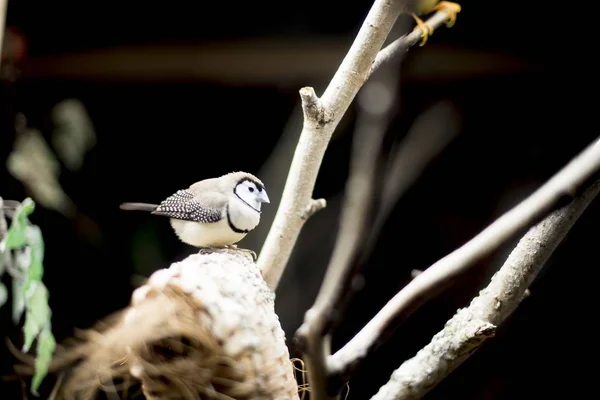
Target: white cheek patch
pixel 245 194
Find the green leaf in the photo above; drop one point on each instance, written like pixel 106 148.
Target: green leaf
pixel 30 295
pixel 3 294
pixel 16 237
pixel 36 247
pixel 18 286
pixel 46 345
pixel 38 313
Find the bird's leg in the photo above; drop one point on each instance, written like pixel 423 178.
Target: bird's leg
pixel 426 29
pixel 451 8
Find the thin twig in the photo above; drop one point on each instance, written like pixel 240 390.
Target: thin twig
pixel 377 102
pixel 416 150
pixel 321 116
pixel 469 327
pixel 433 130
pixel 399 46
pixel 56 388
pixel 565 183
pixel 356 237
pixel 313 207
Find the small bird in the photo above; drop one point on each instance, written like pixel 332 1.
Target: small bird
pixel 215 212
pixel 423 7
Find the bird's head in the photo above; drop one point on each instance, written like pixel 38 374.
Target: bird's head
pixel 249 189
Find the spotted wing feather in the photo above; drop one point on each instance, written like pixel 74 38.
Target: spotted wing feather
pixel 182 205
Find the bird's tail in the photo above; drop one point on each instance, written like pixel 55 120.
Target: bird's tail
pixel 138 206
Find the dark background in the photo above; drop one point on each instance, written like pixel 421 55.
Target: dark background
pixel 183 91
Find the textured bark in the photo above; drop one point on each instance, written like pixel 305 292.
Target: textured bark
pixel 470 326
pixel 205 326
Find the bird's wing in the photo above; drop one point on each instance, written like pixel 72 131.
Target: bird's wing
pixel 184 205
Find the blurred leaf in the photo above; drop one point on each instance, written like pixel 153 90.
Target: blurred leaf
pixel 38 325
pixel 36 245
pixel 16 237
pixel 30 295
pixel 3 294
pixel 18 299
pixel 22 259
pixel 73 134
pixel 38 313
pixel 34 164
pixel 46 345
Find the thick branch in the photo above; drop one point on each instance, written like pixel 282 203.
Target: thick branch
pixel 470 326
pixel 564 183
pixel 359 64
pixel 321 119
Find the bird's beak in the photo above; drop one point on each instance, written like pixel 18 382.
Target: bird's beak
pixel 263 197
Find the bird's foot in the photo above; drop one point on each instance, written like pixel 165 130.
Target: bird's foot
pixel 451 8
pixel 426 29
pixel 208 249
pixel 235 247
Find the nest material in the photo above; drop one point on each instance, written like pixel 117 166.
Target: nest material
pixel 205 328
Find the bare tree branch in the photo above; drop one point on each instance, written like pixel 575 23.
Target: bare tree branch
pixel 321 117
pixel 433 130
pixel 356 234
pixel 313 207
pixel 564 183
pixel 470 326
pixel 399 46
pixel 376 102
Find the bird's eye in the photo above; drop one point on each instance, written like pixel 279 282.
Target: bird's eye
pixel 259 189
pixel 251 189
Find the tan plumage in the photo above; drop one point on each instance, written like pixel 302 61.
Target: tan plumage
pixel 214 212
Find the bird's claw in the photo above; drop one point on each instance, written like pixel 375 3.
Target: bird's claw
pixel 252 253
pixel 451 8
pixel 426 29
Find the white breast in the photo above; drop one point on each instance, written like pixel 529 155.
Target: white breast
pixel 242 216
pixel 197 234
